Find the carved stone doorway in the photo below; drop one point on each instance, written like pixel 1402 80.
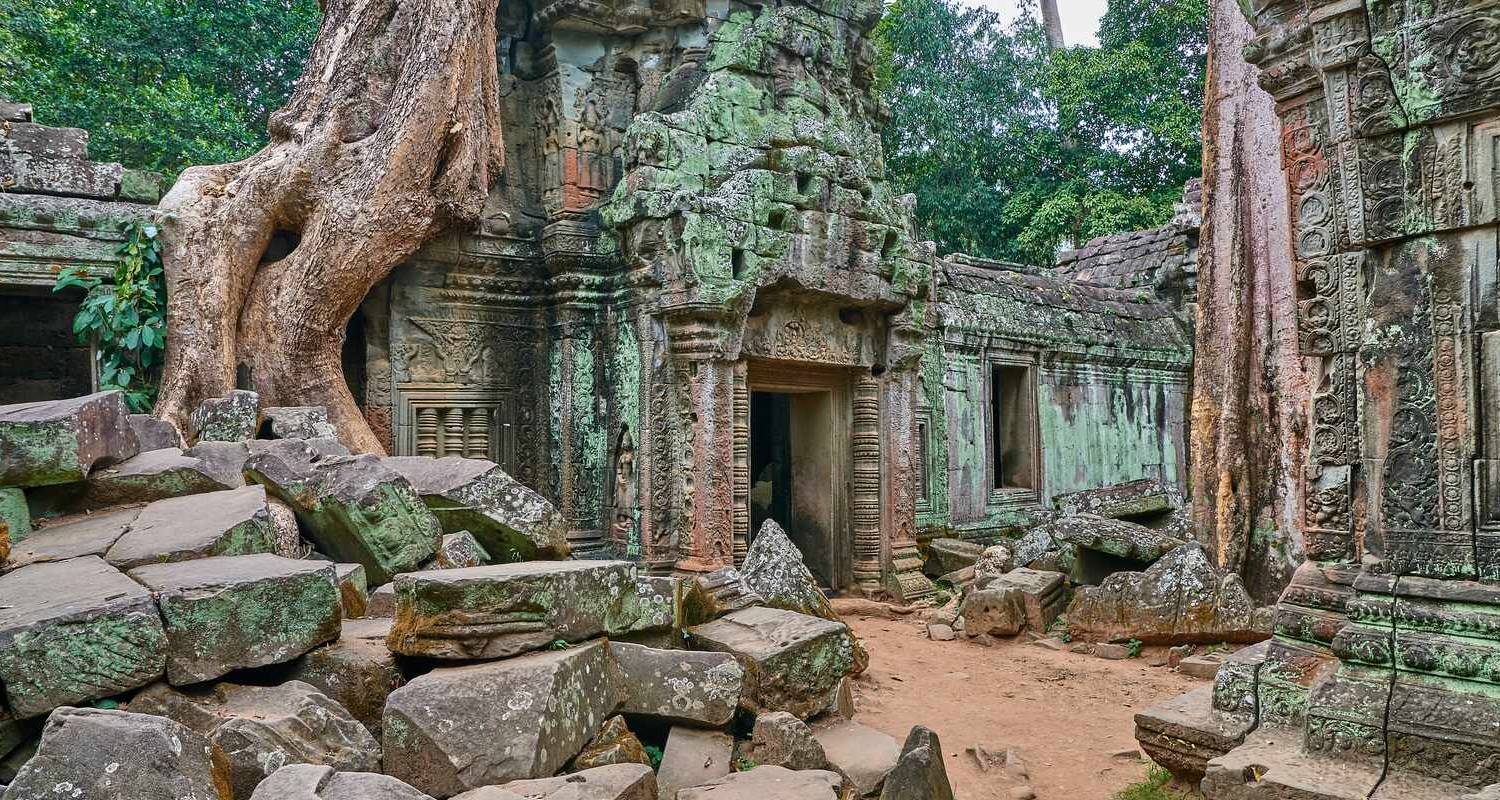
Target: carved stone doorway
pixel 799 463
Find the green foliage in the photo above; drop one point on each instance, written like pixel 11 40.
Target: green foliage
pixel 654 753
pixel 127 320
pixel 159 84
pixel 559 644
pixel 1014 150
pixel 1154 787
pixel 743 764
pixel 1133 647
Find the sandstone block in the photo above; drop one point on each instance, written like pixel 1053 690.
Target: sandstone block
pixel 693 757
pixel 774 570
pixel 780 739
pixel 357 670
pixel 1186 732
pixel 259 729
pixel 708 597
pixel 230 523
pixel 70 177
pixel 312 782
pixel 613 744
pixel 793 662
pixel 72 537
pixel 459 550
pixel 354 590
pixel 74 631
pixel 996 560
pixel 297 422
pixel 60 441
pixel 94 754
pixel 617 782
pixel 1142 498
pixel 1180 599
pixel 461 728
pixel 994 611
pixel 504 609
pixel 919 773
pixel 511 522
pixel 234 417
pixel 946 555
pixel 1115 537
pixel 233 612
pixel 762 783
pixel 153 475
pixel 679 685
pixel 154 434
pixel 352 507
pixel 382 602
pixel 1042 593
pixel 858 752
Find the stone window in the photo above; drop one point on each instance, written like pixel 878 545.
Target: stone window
pixel 1012 422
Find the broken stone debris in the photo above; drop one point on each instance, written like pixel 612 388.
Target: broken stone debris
pixel 356 669
pixel 510 521
pixel 313 782
pixel 60 441
pixel 235 417
pixel 792 662
pixel 860 753
pixel 613 744
pixel 1181 598
pixel 781 739
pixel 615 782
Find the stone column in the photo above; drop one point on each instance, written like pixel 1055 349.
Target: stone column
pixel 707 375
pixel 899 451
pixel 864 501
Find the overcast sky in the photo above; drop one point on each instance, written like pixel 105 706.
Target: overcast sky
pixel 1080 18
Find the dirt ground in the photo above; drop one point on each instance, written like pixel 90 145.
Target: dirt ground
pixel 1068 714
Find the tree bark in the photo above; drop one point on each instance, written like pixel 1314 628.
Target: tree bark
pixel 1052 22
pixel 391 136
pixel 1250 385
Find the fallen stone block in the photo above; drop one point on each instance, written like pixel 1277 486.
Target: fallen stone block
pixel 1147 497
pixel 780 739
pixel 1204 666
pixel 1110 652
pixel 613 744
pixel 774 570
pixel 382 602
pixel 354 590
pixel 693 757
pixel 230 523
pixel 1184 733
pixel 996 560
pixel 313 782
pixel 95 754
pixel 260 729
pixel 461 728
pixel 459 550
pixel 1044 594
pixel 1113 537
pixel 504 609
pixel 995 611
pixel 154 434
pixel 234 612
pixel 234 417
pixel 919 773
pixel 511 522
pixel 72 537
pixel 353 507
pixel 356 670
pixel 1180 599
pixel 74 631
pixel 1033 547
pixel 287 534
pixel 617 782
pixel 679 685
pixel 297 422
pixel 763 783
pixel 858 752
pixel 707 597
pixel 147 477
pixel 60 441
pixel 947 555
pixel 15 517
pixel 225 460
pixel 793 662
pixel 938 632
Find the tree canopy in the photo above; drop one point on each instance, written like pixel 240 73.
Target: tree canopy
pixel 159 84
pixel 1014 149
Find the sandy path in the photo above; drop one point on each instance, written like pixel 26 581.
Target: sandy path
pixel 1066 712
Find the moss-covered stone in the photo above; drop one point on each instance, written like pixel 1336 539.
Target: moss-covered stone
pixel 15 516
pixel 230 523
pixel 793 662
pixel 59 441
pixel 510 521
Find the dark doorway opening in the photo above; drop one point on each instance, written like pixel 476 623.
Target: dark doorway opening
pixel 791 473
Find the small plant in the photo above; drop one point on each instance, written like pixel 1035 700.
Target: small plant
pixel 1154 787
pixel 654 753
pixel 1134 647
pixel 743 764
pixel 126 320
pixel 559 644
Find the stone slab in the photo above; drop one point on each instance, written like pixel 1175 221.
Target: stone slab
pixel 154 475
pixel 1184 733
pixel 1270 765
pixel 693 757
pixel 69 177
pixel 73 631
pixel 229 523
pixel 60 441
pixel 614 782
pixel 861 753
pixel 356 669
pixel 763 783
pixel 511 521
pixel 313 782
pixel 793 662
pixel 96 754
pixel 679 685
pixel 72 537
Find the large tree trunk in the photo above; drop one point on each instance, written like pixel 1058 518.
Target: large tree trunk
pixel 391 136
pixel 1250 386
pixel 1052 22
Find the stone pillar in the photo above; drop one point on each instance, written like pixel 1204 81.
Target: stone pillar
pixel 741 462
pixel 707 373
pixel 864 502
pixel 900 451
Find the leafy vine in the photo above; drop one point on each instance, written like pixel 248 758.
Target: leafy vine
pixel 125 320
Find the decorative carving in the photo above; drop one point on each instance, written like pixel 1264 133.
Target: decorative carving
pixel 864 501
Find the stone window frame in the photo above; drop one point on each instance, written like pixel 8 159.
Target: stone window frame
pixel 1001 498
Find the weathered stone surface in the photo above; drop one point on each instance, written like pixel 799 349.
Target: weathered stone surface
pixel 353 507
pixel 94 754
pixel 708 597
pixel 858 752
pixel 996 560
pixel 153 475
pixel 617 782
pixel 793 662
pixel 234 417
pixel 232 612
pixel 946 555
pixel 313 782
pixel 225 460
pixel 763 783
pixel 28 173
pixel 71 537
pixel 919 774
pixel 503 609
pixel 15 517
pixel 780 739
pixel 357 670
pixel 286 533
pixel 459 550
pixel 1043 594
pixel 693 757
pixel 260 729
pixel 679 685
pixel 512 522
pixel 1271 766
pixel 154 434
pixel 1115 537
pixel 1184 733
pixel 461 728
pixel 613 744
pixel 230 523
pixel 382 602
pixel 354 590
pixel 1031 548
pixel 60 441
pixel 1147 497
pixel 73 631
pixel 995 611
pixel 297 422
pixel 45 140
pixel 774 570
pixel 1180 599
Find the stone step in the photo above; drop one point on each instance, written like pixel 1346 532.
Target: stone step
pixel 43 140
pixel 1271 765
pixel 1184 733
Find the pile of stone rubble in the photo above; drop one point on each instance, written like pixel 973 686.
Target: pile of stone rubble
pixel 1111 565
pixel 263 616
